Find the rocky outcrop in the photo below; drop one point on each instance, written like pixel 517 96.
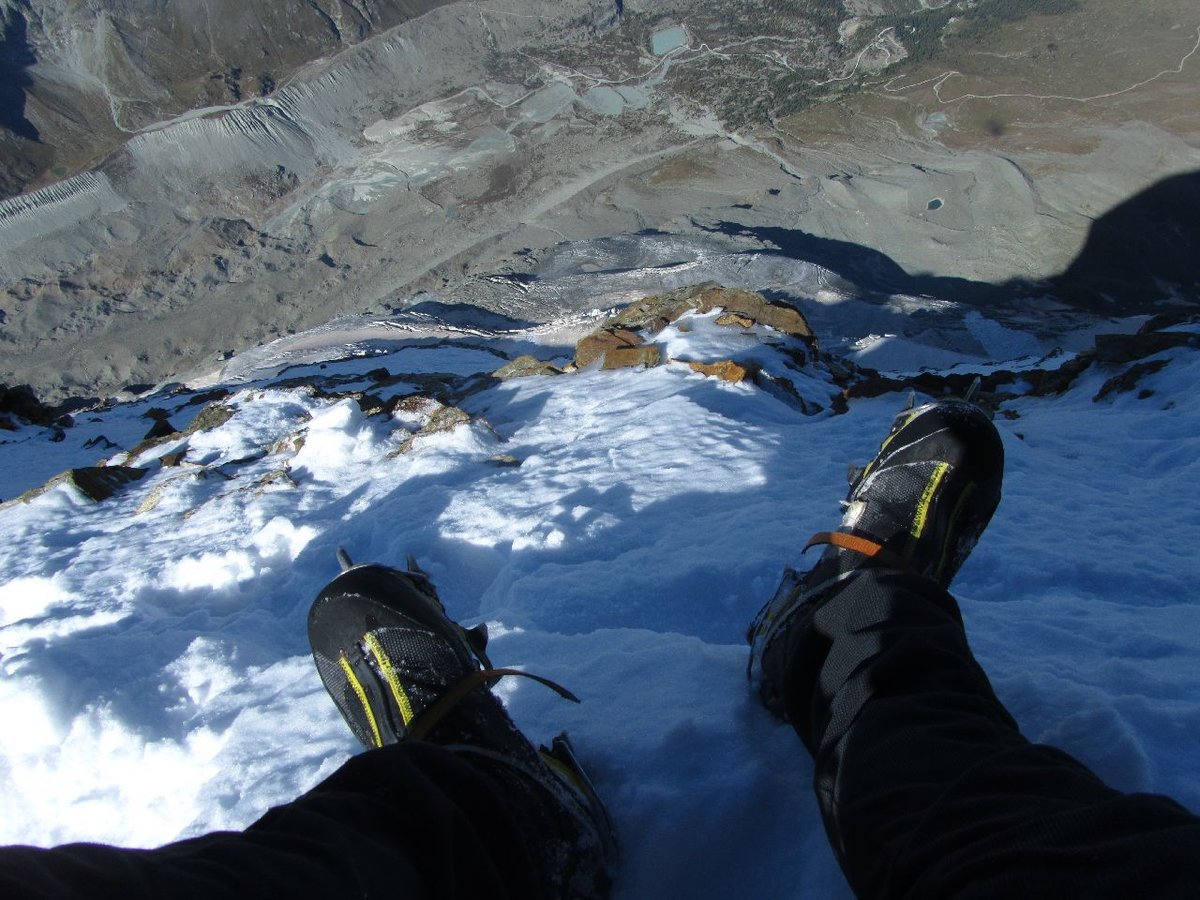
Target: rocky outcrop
pixel 20 400
pixel 1129 379
pixel 160 428
pixel 598 344
pixel 725 369
pixel 626 341
pixel 213 416
pixel 647 356
pixel 525 366
pixel 622 341
pixel 743 309
pixel 96 483
pixel 425 416
pixel 995 387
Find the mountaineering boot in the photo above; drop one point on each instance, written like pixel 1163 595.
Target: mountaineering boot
pixel 399 669
pixel 919 506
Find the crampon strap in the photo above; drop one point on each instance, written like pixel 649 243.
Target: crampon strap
pixel 873 550
pixel 437 710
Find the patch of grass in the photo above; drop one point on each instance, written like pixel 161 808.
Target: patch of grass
pixel 929 34
pixel 987 16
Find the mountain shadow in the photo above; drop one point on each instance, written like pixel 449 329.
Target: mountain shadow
pixel 1140 257
pixel 1141 254
pixel 16 56
pixel 869 269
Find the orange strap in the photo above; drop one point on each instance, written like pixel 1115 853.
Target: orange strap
pixel 846 542
pixel 867 547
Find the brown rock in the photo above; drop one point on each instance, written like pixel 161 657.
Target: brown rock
pixel 446 419
pixel 93 482
pixel 412 404
pixel 620 346
pixel 150 444
pixel 599 343
pixel 212 416
pixel 1129 379
pixel 280 477
pixel 1053 381
pixel 757 308
pixel 784 390
pixel 726 370
pixel 736 319
pixel 524 366
pixel 438 418
pixel 370 404
pixel 654 313
pixel 629 357
pixel 290 443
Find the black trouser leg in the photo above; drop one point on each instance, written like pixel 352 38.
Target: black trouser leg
pixel 927 787
pixel 410 820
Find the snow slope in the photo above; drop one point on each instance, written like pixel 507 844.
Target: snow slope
pixel 156 682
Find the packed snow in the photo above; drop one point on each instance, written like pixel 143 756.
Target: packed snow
pixel 616 530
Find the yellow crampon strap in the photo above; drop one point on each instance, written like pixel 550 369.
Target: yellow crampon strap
pixel 931 486
pixel 389 673
pixel 871 549
pixel 426 722
pixel 361 693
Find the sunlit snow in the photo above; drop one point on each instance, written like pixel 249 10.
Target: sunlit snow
pixel 156 682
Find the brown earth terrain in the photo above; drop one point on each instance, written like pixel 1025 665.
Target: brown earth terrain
pixel 477 138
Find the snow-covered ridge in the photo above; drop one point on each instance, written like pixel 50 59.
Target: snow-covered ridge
pixel 617 529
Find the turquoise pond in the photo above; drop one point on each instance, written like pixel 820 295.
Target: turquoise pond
pixel 663 42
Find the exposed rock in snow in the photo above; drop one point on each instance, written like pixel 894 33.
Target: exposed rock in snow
pixel 616 530
pixel 96 483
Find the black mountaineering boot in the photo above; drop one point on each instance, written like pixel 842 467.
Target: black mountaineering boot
pixel 919 506
pixel 400 670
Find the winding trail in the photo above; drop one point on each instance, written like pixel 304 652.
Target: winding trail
pixel 938 81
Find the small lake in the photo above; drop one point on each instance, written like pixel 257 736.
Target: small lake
pixel 663 42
